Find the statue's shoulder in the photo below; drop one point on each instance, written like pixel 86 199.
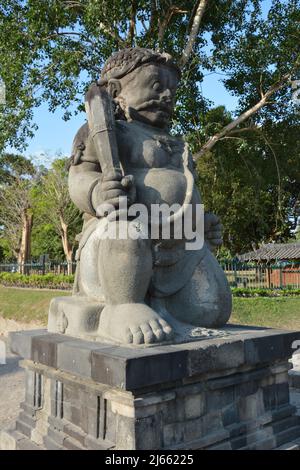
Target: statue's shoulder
pixel 79 144
pixel 83 148
pixel 81 135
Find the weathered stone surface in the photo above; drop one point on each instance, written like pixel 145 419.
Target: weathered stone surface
pixel 44 348
pixel 133 368
pixel 76 356
pixel 144 287
pixel 294 379
pixel 294 373
pixel 128 398
pixel 21 341
pixel 195 405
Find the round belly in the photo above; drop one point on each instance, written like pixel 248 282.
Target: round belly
pixel 160 185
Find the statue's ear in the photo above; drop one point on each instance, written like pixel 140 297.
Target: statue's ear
pixel 114 87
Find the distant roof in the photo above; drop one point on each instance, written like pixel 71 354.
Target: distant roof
pixel 273 251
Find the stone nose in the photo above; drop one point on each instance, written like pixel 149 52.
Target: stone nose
pixel 167 95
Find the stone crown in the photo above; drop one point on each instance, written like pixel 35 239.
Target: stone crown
pixel 126 60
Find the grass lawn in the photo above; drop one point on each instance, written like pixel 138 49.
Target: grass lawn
pixel 28 305
pixel 282 312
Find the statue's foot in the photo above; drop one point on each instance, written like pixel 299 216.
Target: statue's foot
pixel 75 316
pixel 133 324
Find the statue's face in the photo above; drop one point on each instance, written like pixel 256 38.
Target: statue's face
pixel 150 94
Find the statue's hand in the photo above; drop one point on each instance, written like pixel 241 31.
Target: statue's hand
pixel 213 231
pixel 113 186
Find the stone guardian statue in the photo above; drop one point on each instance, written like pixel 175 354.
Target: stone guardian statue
pixel 137 289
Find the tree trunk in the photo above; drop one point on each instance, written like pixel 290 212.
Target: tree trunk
pixel 68 251
pixel 186 53
pixel 25 248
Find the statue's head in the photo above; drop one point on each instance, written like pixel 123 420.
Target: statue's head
pixel 143 83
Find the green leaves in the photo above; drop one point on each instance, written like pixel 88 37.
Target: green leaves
pixel 251 180
pixel 44 193
pixel 50 51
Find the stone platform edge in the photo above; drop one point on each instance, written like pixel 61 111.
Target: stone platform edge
pixel 130 368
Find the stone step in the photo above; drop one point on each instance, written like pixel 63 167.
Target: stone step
pixel 23 428
pixel 27 419
pixel 50 444
pixel 294 378
pixel 71 444
pixel 75 433
pixel 56 435
pixel 282 412
pixel 9 439
pixel 284 424
pixel 12 439
pixel 253 439
pixel 26 444
pixel 273 434
pixel 288 435
pixel 262 444
pixel 93 444
pixel 29 410
pixel 293 445
pixel 70 434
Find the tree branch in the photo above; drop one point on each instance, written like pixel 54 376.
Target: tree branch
pixel 186 53
pixel 131 31
pixel 243 117
pixel 113 33
pixel 163 23
pixel 73 4
pixel 243 129
pixel 152 16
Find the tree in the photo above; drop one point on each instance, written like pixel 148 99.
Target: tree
pixel 16 215
pixel 53 43
pixel 55 211
pixel 45 239
pixel 252 184
pixel 50 51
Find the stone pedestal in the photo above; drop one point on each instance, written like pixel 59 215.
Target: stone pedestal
pixel 220 393
pixel 294 374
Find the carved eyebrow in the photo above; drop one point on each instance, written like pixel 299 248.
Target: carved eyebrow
pixel 154 78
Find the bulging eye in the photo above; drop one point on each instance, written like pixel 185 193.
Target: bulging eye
pixel 156 86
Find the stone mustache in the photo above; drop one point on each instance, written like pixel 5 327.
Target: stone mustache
pixel 137 290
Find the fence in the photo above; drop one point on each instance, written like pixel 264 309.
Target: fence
pixel 278 276
pixel 54 267
pixel 284 275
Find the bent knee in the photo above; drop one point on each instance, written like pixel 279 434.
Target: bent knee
pixel 209 314
pixel 126 235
